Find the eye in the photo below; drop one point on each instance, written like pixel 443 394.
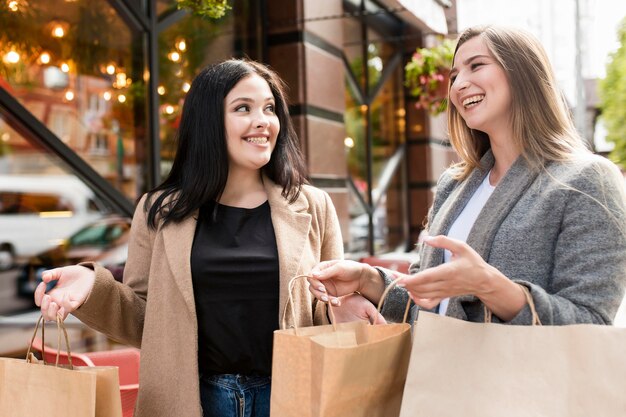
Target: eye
pixel 452 78
pixel 242 108
pixel 476 65
pixel 270 108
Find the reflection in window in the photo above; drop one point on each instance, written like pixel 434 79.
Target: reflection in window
pixel 73 66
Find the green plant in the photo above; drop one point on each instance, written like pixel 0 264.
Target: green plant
pixel 426 76
pixel 205 8
pixel 613 99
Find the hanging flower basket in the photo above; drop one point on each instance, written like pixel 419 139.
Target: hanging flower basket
pixel 213 9
pixel 427 76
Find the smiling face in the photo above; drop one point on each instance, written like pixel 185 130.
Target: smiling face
pixel 251 124
pixel 480 91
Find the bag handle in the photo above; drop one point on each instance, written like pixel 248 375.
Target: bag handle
pixel 387 290
pixel 330 308
pixel 60 328
pixel 293 313
pixel 531 304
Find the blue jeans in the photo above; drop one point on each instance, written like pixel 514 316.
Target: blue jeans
pixel 235 395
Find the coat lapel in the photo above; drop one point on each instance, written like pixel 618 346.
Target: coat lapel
pixel 505 196
pixel 177 240
pixel 291 226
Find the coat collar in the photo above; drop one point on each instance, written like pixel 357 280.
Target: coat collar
pixel 291 224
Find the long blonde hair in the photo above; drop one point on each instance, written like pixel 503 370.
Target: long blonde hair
pixel 542 126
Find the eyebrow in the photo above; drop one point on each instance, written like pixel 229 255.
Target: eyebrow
pixel 467 61
pixel 249 100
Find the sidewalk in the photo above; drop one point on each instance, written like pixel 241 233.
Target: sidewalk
pixel 17 331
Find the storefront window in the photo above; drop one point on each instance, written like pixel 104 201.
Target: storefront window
pixel 74 65
pixel 184 49
pixel 375 127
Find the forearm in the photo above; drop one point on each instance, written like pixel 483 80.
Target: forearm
pixel 113 308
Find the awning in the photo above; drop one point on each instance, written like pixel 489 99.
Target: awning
pixel 428 15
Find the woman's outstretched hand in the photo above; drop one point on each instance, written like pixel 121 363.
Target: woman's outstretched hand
pixel 466 273
pixel 330 280
pixel 74 283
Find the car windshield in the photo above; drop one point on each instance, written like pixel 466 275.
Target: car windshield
pixel 97 235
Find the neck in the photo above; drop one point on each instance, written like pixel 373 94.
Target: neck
pixel 243 189
pixel 505 154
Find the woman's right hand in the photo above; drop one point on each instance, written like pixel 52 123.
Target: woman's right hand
pixel 74 283
pixel 332 279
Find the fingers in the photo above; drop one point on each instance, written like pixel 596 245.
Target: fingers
pixel 51 275
pixel 331 269
pixel 49 309
pixel 40 291
pixel 444 242
pixel 322 266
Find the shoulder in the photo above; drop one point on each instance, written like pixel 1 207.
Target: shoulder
pixel 316 199
pixel 588 172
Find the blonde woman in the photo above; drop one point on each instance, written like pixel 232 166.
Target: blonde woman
pixel 528 207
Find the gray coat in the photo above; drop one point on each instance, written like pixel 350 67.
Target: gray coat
pixel 559 231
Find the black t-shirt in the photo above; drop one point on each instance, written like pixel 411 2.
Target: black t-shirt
pixel 234 267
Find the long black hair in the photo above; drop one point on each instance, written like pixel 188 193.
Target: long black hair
pixel 200 167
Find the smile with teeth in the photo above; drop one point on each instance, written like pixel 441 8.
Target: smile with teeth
pixel 472 101
pixel 258 140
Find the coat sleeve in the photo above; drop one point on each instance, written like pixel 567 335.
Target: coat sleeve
pixel 589 275
pixel 395 303
pixel 331 247
pixel 118 309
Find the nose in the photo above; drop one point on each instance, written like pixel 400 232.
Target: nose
pixel 261 121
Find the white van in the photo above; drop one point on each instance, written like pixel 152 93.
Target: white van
pixel 38 212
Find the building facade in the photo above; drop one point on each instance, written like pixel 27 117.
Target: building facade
pixel 94 89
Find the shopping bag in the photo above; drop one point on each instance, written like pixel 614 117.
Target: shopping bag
pixel 348 369
pixel 459 368
pixel 32 388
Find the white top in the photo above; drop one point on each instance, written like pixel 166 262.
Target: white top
pixel 463 224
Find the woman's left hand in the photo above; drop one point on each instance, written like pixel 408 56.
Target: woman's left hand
pixel 355 307
pixel 465 273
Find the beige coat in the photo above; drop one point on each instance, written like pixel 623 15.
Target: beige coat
pixel 155 309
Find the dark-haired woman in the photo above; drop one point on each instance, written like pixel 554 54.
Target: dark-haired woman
pixel 211 252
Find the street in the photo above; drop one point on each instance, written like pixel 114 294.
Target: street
pixel 9 302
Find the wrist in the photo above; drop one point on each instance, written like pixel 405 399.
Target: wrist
pixel 371 284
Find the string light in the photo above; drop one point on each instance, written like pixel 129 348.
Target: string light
pixel 169 109
pixel 181 45
pixel 107 95
pixel 13 6
pixel 348 142
pixel 174 56
pixel 186 86
pixel 65 67
pixel 161 90
pixel 44 58
pixel 11 57
pixel 69 95
pixel 121 98
pixel 58 31
pixel 110 69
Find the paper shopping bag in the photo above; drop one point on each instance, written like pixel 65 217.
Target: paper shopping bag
pixel 459 368
pixel 349 369
pixel 32 388
pixel 356 370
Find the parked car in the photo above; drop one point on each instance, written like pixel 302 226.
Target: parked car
pixel 38 211
pixel 104 241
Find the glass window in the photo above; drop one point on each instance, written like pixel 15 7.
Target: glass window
pixel 77 67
